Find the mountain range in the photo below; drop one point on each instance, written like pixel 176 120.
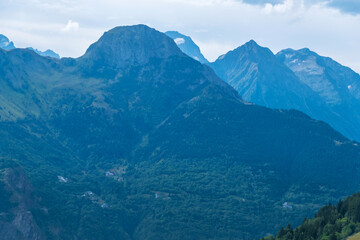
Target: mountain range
pixel 295 79
pixel 7 45
pixel 137 140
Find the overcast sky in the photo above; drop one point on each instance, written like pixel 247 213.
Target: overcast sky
pixel 331 28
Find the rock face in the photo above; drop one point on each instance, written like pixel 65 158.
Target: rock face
pixel 18 222
pixel 301 80
pixel 192 159
pixel 187 45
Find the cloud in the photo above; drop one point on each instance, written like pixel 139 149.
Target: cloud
pixel 347 6
pixel 263 2
pixel 71 26
pixel 286 6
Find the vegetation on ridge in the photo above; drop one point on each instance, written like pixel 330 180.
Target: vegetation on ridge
pixel 332 222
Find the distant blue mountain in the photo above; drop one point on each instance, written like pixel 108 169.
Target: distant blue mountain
pixel 261 78
pixel 187 45
pixel 7 45
pixel 301 80
pixel 337 85
pixel 47 53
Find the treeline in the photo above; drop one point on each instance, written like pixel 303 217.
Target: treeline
pixel 330 223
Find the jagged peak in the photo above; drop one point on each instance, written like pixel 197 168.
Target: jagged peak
pixel 252 43
pixel 254 46
pixel 5 43
pixel 251 48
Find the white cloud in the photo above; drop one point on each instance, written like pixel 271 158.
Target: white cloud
pixel 286 6
pixel 71 26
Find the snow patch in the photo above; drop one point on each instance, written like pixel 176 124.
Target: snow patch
pixel 179 41
pixel 222 57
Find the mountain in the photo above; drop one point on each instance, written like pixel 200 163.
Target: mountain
pixel 136 140
pixel 187 45
pixel 5 43
pixel 317 86
pixel 47 53
pixel 259 77
pixel 341 221
pixel 337 85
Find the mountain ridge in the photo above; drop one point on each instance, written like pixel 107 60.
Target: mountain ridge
pixel 254 72
pixel 7 45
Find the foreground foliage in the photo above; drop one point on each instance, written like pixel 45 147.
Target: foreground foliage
pixel 330 223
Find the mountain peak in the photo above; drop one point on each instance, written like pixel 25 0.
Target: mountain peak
pixel 254 47
pixel 130 45
pixel 259 77
pixel 5 43
pixel 252 43
pixel 250 49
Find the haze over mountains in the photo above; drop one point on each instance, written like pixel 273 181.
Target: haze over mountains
pixel 136 140
pixel 301 80
pixel 7 45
